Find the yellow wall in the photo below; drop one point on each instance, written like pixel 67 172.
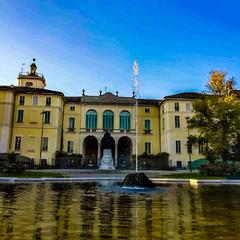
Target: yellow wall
pixel 30 130
pixel 170 134
pixel 6 113
pixel 32 126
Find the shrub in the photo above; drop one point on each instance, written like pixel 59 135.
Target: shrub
pixel 219 169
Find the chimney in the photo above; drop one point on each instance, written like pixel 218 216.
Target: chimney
pixel 117 93
pixel 100 93
pixel 83 92
pixel 134 94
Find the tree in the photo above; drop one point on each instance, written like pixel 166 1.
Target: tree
pixel 217 119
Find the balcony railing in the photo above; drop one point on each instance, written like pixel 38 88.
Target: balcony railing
pixel 29 74
pixel 147 131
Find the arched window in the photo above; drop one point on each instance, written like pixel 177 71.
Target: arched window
pixel 91 120
pixel 108 117
pixel 124 121
pixel 28 84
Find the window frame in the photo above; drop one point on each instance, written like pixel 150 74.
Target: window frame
pixel 71 124
pixel 176 107
pixel 108 120
pixel 48 101
pixel 45 145
pixel 18 143
pixel 20 116
pixel 47 117
pixel 70 146
pixel 125 121
pixel 147 126
pixel 148 148
pixel 177 121
pixel 22 100
pixel 178 147
pixel 91 120
pixel 35 100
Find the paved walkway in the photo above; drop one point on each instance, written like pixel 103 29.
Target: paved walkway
pixel 79 175
pixel 110 173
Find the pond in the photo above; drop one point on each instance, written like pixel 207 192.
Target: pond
pixel 98 210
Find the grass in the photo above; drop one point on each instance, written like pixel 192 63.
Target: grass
pixel 192 176
pixel 35 174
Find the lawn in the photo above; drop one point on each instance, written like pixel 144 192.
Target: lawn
pixel 191 176
pixel 34 174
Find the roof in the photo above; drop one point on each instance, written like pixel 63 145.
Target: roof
pixel 30 90
pixel 186 95
pixel 109 98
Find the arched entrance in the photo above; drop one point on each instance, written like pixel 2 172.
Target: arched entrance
pixel 124 152
pixel 112 146
pixel 90 146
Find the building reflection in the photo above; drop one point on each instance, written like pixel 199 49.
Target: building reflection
pixel 85 211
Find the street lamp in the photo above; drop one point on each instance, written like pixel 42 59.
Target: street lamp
pixel 189 147
pixel 41 142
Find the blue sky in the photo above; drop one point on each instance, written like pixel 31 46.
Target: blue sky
pixel 92 44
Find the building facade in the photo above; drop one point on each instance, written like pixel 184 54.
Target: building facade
pixel 37 123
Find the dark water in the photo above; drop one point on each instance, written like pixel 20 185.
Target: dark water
pixel 91 211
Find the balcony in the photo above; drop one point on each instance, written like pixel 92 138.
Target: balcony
pixel 72 130
pixel 147 131
pixel 29 74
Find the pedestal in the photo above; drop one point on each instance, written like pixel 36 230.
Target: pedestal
pixel 107 160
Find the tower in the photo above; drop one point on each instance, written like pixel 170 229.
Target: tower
pixel 31 78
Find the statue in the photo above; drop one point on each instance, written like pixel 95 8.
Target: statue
pixel 106 140
pixel 107 160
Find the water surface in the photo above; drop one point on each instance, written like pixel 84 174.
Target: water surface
pixel 100 211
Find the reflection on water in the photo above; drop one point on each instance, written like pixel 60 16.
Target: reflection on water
pixel 89 211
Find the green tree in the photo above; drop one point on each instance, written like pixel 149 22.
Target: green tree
pixel 217 119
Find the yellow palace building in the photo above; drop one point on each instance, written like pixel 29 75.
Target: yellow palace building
pixel 37 122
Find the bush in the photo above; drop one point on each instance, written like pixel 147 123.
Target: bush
pixel 219 169
pixel 150 161
pixel 13 168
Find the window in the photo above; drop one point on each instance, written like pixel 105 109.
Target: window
pixel 35 100
pixel 45 144
pixel 48 101
pixel 70 146
pixel 71 125
pixel 163 124
pixel 178 146
pixel 18 143
pixel 91 120
pixel 177 122
pixel 46 116
pixel 124 121
pixel 22 100
pixel 147 110
pixel 148 147
pixel 200 148
pixel 29 84
pixel 108 120
pixel 31 143
pixel 176 106
pixel 188 107
pixel 147 126
pixel 20 115
pixel 72 108
pixel 162 109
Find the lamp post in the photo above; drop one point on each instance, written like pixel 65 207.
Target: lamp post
pixel 188 145
pixel 41 142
